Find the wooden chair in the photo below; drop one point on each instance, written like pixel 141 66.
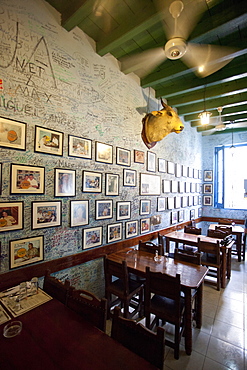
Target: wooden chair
pixel 150 247
pixel 163 299
pixel 162 242
pixel 127 291
pixel 225 221
pixel 56 288
pixel 89 306
pixel 191 230
pixel 139 339
pixel 227 229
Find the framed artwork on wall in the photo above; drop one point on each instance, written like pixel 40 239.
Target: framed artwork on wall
pixel 199 212
pixel 208 188
pixel 26 251
pixel 79 212
pixel 161 204
pixel 166 185
pixel 161 165
pixel 207 200
pixel 174 217
pixel 129 177
pixel 103 209
pixel 79 147
pixel 184 171
pixel 145 206
pixel 192 214
pixel 177 202
pixel 114 232
pixel 111 184
pixel 139 156
pixel 151 161
pixel 131 229
pixel 46 214
pixel 65 182
pixel 48 141
pixel 92 237
pixel 150 184
pixel 123 157
pixel 12 134
pixel 180 215
pixel 103 152
pixel 184 201
pixel 178 170
pixel 174 187
pixel 27 179
pixel 170 203
pixel 92 182
pixel 145 224
pixel 11 216
pixel 171 168
pixel 123 210
pixel 208 175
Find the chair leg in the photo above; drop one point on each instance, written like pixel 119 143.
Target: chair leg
pixel 176 348
pixel 219 278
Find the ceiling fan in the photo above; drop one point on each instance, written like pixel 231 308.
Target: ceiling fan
pixel 179 18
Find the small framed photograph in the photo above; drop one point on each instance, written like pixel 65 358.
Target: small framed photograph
pixel 199 212
pixel 145 207
pixel 0 178
pixel 195 200
pixel 199 200
pixel 11 216
pixel 184 201
pixel 174 217
pixel 12 134
pixel 170 203
pixel 139 156
pixel 156 220
pixel 79 147
pixel 190 200
pixel 184 171
pixel 26 251
pixel 192 214
pixel 193 187
pixel 178 172
pixel 195 173
pixel 145 224
pixel 207 200
pixel 123 157
pixel 180 215
pixel 208 188
pixel 174 186
pixel 161 165
pixel 161 206
pixel 123 210
pixel 103 209
pixel 27 179
pixel 79 212
pixel 180 186
pixel 114 232
pixel 92 182
pixel 166 185
pixel 187 187
pixel 151 161
pixel 177 202
pixel 129 177
pixel 103 152
pixel 46 214
pixel 111 184
pixel 65 182
pixel 92 237
pixel 131 229
pixel 48 141
pixel 150 184
pixel 190 172
pixel 171 168
pixel 208 175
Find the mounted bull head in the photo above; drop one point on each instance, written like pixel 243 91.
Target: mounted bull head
pixel 158 124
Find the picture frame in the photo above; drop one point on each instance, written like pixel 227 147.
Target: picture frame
pixel 170 168
pixel 65 182
pixel 207 200
pixel 161 165
pixel 91 182
pixel 184 171
pixel 123 157
pixel 129 177
pixel 180 215
pixel 114 232
pixel 151 162
pixel 12 134
pixel 174 186
pixel 1 178
pixel 46 214
pixel 139 156
pixel 199 212
pixel 111 184
pixel 174 217
pixel 48 141
pixel 208 188
pixel 92 237
pixel 192 214
pixel 195 200
pixel 177 202
pixel 195 173
pixel 150 184
pixel 166 186
pixel 178 170
pixel 123 210
pixel 208 175
pixel 27 179
pixel 155 220
pixel 145 207
pixel 190 172
pixel 145 225
pixel 11 216
pixel 184 201
pixel 79 147
pixel 131 229
pixel 161 204
pixel 103 152
pixel 79 213
pixel 103 209
pixel 26 251
pixel 170 203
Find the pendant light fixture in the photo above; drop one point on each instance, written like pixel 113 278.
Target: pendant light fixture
pixel 205 115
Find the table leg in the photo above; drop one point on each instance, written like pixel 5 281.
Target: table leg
pixel 167 245
pixel 238 245
pixel 223 277
pixel 188 321
pixel 229 263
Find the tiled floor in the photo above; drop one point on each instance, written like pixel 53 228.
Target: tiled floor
pixel 221 343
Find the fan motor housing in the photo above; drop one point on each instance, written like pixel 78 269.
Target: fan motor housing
pixel 175 48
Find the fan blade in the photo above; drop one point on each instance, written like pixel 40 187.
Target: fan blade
pixel 207 59
pixel 143 63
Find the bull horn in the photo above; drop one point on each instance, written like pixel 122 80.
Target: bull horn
pixel 163 104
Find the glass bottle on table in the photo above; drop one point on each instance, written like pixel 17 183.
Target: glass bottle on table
pixel 34 286
pixel 22 291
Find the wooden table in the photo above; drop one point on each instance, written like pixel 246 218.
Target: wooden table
pixel 54 337
pixel 191 276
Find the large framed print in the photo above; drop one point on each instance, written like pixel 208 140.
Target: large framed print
pixel 27 179
pixel 114 232
pixel 145 224
pixel 139 156
pixel 151 161
pixel 123 210
pixel 26 251
pixel 92 237
pixel 103 209
pixel 145 206
pixel 123 157
pixel 131 229
pixel 111 184
pixel 161 204
pixel 92 182
pixel 150 184
pixel 79 212
pixel 161 165
pixel 129 177
pixel 46 214
pixel 11 216
pixel 12 134
pixel 103 152
pixel 48 141
pixel 65 182
pixel 208 175
pixel 79 147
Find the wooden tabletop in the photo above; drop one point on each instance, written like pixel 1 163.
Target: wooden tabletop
pixel 181 236
pixel 235 228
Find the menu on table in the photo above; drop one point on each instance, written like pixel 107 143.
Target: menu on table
pixel 4 316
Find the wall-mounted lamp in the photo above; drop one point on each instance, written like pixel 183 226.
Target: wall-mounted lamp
pixel 204 116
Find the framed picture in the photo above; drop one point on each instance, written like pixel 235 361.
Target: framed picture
pixel 161 165
pixel 199 200
pixel 129 177
pixel 111 184
pixel 178 171
pixel 190 172
pixel 92 237
pixel 131 229
pixel 46 214
pixel 193 187
pixel 139 156
pixel 26 251
pixel 184 171
pixel 208 175
pixel 114 232
pixel 0 178
pixel 184 201
pixel 79 147
pixel 161 206
pixel 177 202
pixel 145 207
pixel 27 179
pixel 180 215
pixel 151 161
pixel 195 173
pixel 103 152
pixel 156 220
pixel 192 214
pixel 199 212
pixel 208 188
pixel 123 210
pixel 174 186
pixel 166 186
pixel 190 200
pixel 170 203
pixel 145 225
pixel 123 156
pixel 171 168
pixel 64 182
pixel 12 134
pixel 48 141
pixel 174 217
pixel 150 184
pixel 207 200
pixel 92 182
pixel 195 200
pixel 180 186
pixel 79 212
pixel 103 209
pixel 11 216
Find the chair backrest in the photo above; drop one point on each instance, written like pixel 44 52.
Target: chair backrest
pixel 225 221
pixel 187 256
pixel 89 306
pixel 227 229
pixel 56 288
pixel 192 230
pixel 220 234
pixel 114 269
pixel 150 247
pixel 139 339
pixel 210 248
pixel 162 242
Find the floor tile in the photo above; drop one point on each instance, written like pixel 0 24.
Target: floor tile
pixel 228 333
